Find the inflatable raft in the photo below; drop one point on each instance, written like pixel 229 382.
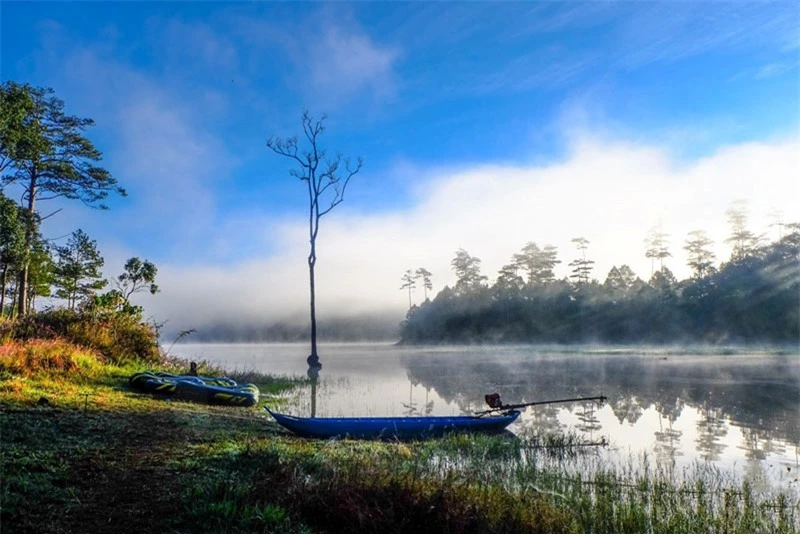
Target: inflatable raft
pixel 197 388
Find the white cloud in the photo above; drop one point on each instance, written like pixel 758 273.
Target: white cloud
pixel 345 63
pixel 333 60
pixel 610 192
pixel 774 69
pixel 670 31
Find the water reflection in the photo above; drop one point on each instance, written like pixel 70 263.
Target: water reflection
pixel 668 442
pixel 711 430
pixel 738 409
pixel 765 399
pixel 313 375
pixel 411 408
pixel 589 423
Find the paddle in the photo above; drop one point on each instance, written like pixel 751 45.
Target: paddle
pixel 493 400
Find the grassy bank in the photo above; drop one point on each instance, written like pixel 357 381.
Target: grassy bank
pixel 97 457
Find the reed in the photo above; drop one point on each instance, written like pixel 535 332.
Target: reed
pixel 487 484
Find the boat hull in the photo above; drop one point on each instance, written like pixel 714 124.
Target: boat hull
pixel 391 427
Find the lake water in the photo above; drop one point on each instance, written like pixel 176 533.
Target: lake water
pixel 735 409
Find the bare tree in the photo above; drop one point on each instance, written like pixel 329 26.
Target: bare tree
pixel 326 180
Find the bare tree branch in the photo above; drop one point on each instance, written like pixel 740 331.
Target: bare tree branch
pixel 48 216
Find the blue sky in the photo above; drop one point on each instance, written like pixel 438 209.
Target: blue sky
pixel 482 125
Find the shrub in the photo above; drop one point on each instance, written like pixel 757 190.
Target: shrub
pixel 119 337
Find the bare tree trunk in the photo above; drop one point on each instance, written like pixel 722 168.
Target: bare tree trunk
pixel 313 231
pixel 313 358
pixel 313 310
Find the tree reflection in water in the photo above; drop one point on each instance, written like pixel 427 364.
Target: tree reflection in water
pixel 667 441
pixel 313 375
pixel 759 394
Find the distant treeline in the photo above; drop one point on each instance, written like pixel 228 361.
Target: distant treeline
pixel 754 297
pixel 373 327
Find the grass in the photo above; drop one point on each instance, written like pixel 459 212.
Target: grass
pixel 462 484
pixel 65 375
pixel 97 457
pixel 47 356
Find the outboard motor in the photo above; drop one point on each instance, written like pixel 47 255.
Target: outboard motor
pixel 493 400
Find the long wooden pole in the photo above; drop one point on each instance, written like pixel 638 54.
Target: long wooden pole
pixel 503 407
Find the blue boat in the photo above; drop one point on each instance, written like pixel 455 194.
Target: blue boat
pixel 212 390
pixel 391 427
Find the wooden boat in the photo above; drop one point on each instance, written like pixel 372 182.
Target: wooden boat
pixel 391 427
pixel 197 388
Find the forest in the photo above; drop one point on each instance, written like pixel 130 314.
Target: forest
pixel 45 156
pixel 754 297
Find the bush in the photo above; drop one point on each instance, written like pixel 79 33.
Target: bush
pixel 118 336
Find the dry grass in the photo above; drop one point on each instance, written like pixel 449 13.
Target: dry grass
pixel 50 356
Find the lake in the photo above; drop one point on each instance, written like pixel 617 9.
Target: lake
pixel 735 409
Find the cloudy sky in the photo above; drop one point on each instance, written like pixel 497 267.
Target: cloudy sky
pixel 482 125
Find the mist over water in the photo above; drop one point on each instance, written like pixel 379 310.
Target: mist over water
pixel 738 409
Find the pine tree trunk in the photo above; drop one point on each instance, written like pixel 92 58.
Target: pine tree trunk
pixel 22 289
pixel 3 291
pixel 14 302
pixel 22 285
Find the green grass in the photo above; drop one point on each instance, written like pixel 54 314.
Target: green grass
pixel 67 376
pixel 466 484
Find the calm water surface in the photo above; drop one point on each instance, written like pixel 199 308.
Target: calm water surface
pixel 734 409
